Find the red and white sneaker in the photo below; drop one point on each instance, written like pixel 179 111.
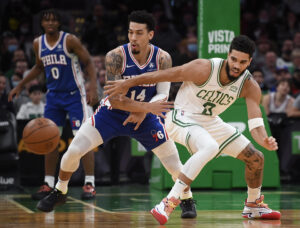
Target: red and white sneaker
pixel 259 210
pixel 89 192
pixel 162 211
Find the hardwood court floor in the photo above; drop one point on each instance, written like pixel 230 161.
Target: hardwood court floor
pixel 128 206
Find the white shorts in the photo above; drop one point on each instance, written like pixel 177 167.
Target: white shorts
pixel 179 125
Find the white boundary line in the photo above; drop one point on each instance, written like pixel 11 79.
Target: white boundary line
pixel 19 205
pixel 90 205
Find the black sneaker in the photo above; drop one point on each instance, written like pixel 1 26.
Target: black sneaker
pixel 55 198
pixel 188 208
pixel 42 192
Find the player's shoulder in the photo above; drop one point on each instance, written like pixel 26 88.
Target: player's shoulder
pixel 250 86
pixel 115 53
pixel 71 38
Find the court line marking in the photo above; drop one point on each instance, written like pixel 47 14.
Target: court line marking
pixel 90 205
pixel 123 194
pixel 19 205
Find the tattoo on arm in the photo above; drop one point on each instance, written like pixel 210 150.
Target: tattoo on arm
pixel 113 62
pixel 165 61
pixel 249 151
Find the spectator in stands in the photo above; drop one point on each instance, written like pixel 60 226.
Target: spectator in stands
pixel 20 67
pixel 35 107
pixel 258 76
pixel 269 69
pixel 296 39
pixel 286 54
pixel 4 104
pixel 295 60
pixel 294 111
pixel 23 97
pixel 280 100
pixel 262 47
pixel 18 55
pixel 295 83
pixel 276 105
pixel 9 45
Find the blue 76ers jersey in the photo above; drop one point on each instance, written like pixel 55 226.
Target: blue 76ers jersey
pixel 109 121
pixel 131 69
pixel 62 69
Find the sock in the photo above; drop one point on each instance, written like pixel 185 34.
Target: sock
pixel 177 189
pixel 186 195
pixel 62 186
pixel 49 180
pixel 253 194
pixel 90 179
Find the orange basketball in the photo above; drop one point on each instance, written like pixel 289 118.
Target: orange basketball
pixel 41 136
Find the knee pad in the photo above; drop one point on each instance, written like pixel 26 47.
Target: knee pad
pixel 71 159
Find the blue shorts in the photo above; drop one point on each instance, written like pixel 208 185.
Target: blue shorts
pixel 109 123
pixel 59 104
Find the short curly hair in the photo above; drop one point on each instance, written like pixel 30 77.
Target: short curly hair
pixel 244 44
pixel 142 17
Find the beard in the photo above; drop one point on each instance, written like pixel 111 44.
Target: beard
pixel 135 52
pixel 229 76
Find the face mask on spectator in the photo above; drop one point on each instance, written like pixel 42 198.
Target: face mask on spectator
pixel 12 47
pixel 192 47
pixel 15 83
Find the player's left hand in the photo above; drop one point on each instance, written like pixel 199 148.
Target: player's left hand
pixel 135 117
pixel 93 98
pixel 113 88
pixel 270 143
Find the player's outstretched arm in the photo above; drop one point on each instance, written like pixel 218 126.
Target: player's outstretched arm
pixel 196 71
pixel 36 70
pixel 252 94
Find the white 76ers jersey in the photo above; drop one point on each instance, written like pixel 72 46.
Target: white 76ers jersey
pixel 211 98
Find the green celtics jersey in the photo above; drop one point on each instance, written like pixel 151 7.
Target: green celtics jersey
pixel 212 98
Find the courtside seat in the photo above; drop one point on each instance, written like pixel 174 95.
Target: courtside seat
pixel 8 150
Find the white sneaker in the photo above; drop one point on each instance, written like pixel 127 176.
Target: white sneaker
pixel 259 210
pixel 162 211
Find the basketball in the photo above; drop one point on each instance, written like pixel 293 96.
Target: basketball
pixel 41 136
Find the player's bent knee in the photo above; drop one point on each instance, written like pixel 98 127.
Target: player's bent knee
pixel 252 157
pixel 71 159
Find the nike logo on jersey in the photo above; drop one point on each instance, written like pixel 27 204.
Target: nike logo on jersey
pixel 128 66
pixel 44 49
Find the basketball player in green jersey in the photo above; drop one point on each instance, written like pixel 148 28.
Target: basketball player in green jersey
pixel 209 87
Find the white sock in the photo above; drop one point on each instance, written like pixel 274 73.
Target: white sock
pixel 49 180
pixel 90 179
pixel 177 189
pixel 253 194
pixel 62 186
pixel 186 195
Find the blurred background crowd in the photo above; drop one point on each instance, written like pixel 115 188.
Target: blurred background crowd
pixel 102 25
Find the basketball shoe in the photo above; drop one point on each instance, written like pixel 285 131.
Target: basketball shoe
pixel 188 208
pixel 55 198
pixel 162 211
pixel 259 210
pixel 42 192
pixel 89 192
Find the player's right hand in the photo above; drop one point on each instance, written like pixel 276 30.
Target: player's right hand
pixel 160 108
pixel 113 88
pixel 135 117
pixel 15 91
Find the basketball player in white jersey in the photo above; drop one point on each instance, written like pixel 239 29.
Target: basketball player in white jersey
pixel 209 87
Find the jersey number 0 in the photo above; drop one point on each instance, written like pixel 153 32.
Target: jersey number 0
pixel 55 72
